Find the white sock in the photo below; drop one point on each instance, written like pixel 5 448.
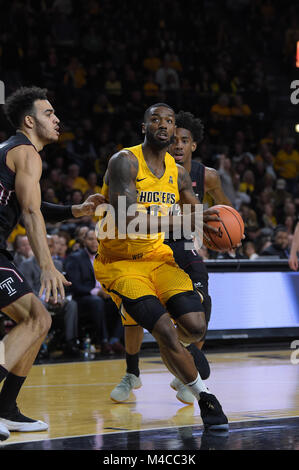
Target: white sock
pixel 197 386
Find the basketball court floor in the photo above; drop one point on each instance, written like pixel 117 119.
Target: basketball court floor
pixel 258 390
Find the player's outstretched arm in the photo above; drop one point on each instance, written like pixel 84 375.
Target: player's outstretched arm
pixel 28 170
pixel 293 258
pixel 59 213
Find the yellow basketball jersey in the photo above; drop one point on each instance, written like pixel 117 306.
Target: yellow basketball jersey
pixel 155 196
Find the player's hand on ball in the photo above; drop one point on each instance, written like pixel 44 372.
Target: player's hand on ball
pixel 229 231
pixel 209 215
pixel 238 245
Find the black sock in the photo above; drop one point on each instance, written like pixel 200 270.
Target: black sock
pixel 132 364
pixel 200 361
pixel 10 391
pixel 3 373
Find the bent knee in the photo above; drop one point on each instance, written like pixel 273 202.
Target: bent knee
pixel 198 332
pixel 194 326
pixel 40 318
pixel 30 311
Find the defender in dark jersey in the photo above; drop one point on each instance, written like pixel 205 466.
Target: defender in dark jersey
pixel 189 132
pixel 33 117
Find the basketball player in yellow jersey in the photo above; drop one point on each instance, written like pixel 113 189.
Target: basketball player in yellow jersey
pixel 141 273
pixel 188 134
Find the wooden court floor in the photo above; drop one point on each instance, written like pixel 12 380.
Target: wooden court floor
pixel 73 398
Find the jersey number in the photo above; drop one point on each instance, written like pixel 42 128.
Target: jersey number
pixel 4 195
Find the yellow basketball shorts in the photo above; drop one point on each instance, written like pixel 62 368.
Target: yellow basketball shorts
pixel 157 276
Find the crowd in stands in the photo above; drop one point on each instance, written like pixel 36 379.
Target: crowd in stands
pixel 87 310
pixel 105 62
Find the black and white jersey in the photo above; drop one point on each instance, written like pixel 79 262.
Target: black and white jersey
pixel 10 210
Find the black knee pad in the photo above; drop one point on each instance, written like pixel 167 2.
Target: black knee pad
pixel 207 305
pixel 146 310
pixel 202 288
pixel 182 303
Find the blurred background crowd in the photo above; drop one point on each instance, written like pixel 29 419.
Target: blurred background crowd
pixel 104 62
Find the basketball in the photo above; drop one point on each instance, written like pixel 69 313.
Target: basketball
pixel 230 229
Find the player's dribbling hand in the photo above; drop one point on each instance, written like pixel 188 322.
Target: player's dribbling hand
pixel 239 244
pixel 53 282
pixel 88 207
pixel 208 216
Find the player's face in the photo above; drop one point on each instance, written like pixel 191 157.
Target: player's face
pixel 91 242
pixel 62 246
pixel 51 245
pixel 82 232
pixel 24 247
pixel 183 146
pixel 159 127
pixel 282 240
pixel 46 122
pixel 56 244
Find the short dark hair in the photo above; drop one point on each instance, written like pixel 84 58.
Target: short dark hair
pixel 279 228
pixel 156 105
pixel 21 102
pixel 186 120
pixel 87 232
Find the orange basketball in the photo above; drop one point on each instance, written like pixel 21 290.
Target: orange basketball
pixel 230 229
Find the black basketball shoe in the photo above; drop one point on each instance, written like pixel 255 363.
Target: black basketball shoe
pixel 211 412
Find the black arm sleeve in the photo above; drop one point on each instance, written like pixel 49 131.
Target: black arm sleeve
pixel 55 212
